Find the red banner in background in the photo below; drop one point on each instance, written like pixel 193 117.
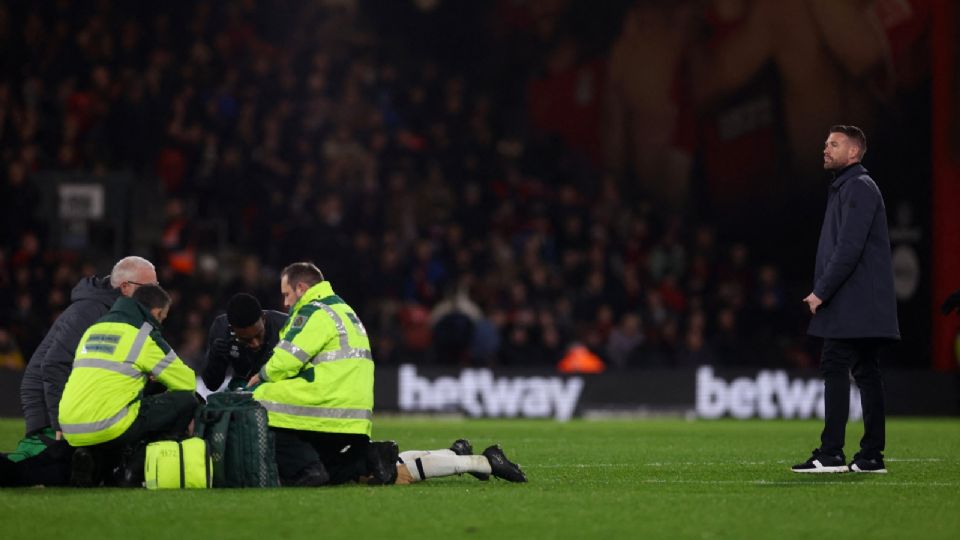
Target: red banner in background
pixel 946 178
pixel 567 103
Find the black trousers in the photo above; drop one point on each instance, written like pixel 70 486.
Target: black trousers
pixel 162 416
pixel 51 467
pixel 839 359
pixel 343 455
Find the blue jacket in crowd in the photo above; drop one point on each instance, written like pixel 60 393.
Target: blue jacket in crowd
pixel 854 270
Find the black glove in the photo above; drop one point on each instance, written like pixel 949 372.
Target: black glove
pixel 951 303
pixel 226 348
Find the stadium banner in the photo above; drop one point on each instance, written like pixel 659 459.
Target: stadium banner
pixel 705 392
pixel 945 151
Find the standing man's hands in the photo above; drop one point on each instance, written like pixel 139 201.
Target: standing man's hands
pixel 255 380
pixel 812 302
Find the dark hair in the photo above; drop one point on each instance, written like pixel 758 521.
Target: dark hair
pixel 854 133
pixel 302 272
pixel 152 296
pixel 243 310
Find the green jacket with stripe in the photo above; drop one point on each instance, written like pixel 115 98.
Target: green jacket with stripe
pixel 113 361
pixel 320 375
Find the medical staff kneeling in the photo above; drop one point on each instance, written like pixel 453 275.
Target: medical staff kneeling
pixel 109 410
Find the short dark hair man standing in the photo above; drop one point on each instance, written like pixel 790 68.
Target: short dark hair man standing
pixel 240 341
pixel 853 305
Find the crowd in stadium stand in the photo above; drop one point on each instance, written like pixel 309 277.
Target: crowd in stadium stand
pixel 459 235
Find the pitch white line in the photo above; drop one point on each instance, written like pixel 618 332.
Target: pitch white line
pixel 580 465
pixel 795 483
pixel 712 463
pixel 702 463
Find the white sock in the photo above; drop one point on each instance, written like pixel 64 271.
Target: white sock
pixel 410 455
pixel 435 465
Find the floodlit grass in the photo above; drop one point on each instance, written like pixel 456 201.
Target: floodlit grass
pixel 610 479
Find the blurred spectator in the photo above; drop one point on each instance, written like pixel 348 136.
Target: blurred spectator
pixel 727 341
pixel 695 351
pixel 624 341
pixel 454 320
pixel 10 355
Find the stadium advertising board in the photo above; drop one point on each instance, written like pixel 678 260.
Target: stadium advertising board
pixel 704 392
pixel 478 393
pixel 769 394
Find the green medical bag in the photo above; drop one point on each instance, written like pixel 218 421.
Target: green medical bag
pixel 241 443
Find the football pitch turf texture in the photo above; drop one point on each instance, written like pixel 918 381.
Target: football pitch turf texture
pixel 587 479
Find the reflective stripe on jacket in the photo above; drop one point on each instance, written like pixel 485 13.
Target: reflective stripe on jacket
pixel 113 361
pixel 320 375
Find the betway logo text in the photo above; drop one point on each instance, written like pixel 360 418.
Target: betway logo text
pixel 771 395
pixel 477 393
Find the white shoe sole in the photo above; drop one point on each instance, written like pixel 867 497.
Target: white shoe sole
pixel 821 469
pixel 854 468
pixel 833 470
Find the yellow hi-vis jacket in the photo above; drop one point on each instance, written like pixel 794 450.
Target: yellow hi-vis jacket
pixel 111 366
pixel 320 375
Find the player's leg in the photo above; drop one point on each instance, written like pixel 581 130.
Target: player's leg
pixel 410 455
pixel 416 466
pixel 460 447
pixel 426 464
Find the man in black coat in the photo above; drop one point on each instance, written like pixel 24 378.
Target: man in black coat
pixel 240 341
pixel 853 305
pixel 49 367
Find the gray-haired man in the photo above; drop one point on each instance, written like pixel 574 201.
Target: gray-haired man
pixel 49 367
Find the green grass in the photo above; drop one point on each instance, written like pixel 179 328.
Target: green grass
pixel 610 479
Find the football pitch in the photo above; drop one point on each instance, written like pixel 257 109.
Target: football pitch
pixel 588 479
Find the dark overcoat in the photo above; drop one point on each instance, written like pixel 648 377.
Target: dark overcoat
pixel 854 269
pixel 49 367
